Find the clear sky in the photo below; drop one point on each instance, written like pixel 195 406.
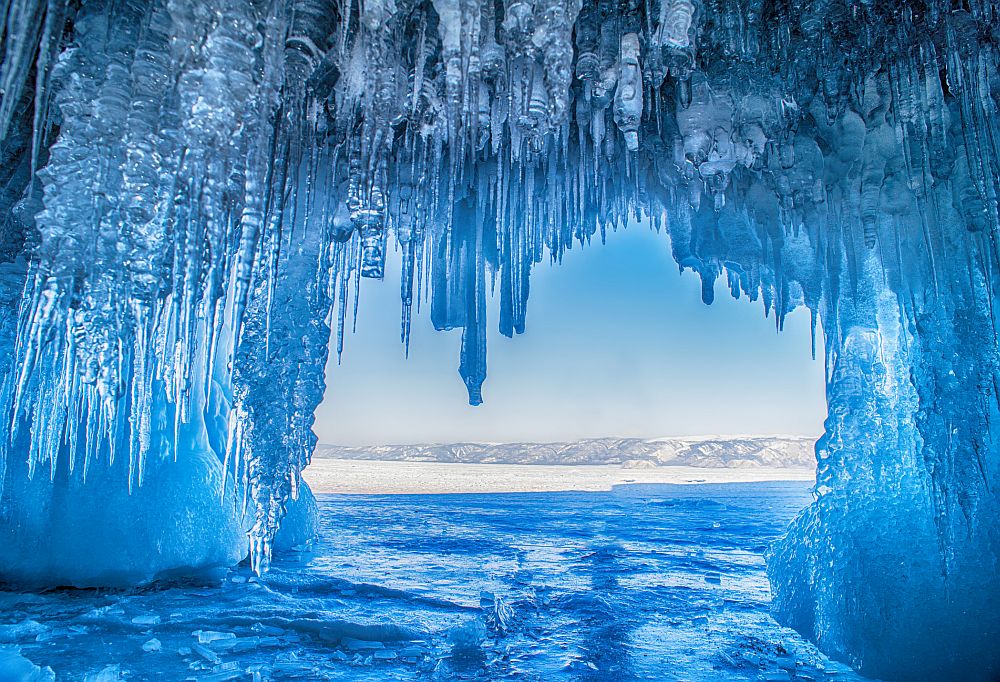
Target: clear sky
pixel 618 343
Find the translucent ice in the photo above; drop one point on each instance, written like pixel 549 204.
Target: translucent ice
pixel 61 533
pixel 192 193
pixel 16 668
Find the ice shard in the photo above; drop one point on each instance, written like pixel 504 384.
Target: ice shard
pixel 192 195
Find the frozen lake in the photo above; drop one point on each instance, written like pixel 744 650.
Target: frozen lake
pixel 647 582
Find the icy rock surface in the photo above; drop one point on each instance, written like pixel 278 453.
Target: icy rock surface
pixel 191 194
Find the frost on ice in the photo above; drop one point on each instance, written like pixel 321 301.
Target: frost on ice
pixel 191 193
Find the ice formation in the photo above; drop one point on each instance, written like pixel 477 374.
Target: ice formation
pixel 191 193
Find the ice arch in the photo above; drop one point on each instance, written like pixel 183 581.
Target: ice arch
pixel 190 189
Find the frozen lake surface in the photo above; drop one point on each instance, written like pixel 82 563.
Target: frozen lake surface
pixel 647 582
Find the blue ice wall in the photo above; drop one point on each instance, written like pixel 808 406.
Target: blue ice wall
pixel 191 193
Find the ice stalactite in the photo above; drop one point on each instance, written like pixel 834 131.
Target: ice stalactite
pixel 193 193
pixel 279 365
pixel 911 396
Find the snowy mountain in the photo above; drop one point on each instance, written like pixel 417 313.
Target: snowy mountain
pixel 729 451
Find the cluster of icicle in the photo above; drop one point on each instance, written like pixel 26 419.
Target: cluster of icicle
pixel 195 188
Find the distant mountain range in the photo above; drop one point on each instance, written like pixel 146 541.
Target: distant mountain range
pixel 793 452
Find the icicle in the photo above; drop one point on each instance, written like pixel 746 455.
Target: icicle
pixel 628 95
pixel 217 178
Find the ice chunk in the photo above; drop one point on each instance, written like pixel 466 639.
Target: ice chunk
pixel 352 644
pixel 60 533
pixel 467 639
pixel 210 636
pixel 777 676
pixel 289 665
pixel 146 620
pixel 223 673
pixel 206 653
pixel 16 668
pixel 109 673
pixel 25 630
pixel 412 652
pixel 301 523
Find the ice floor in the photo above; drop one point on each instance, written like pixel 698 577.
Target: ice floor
pixel 645 583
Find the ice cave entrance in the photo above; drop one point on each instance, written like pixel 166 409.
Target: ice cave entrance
pixel 190 190
pixel 618 344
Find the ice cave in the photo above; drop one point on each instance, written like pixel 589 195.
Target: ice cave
pixel 192 192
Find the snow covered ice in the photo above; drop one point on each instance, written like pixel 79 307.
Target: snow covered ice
pixel 661 583
pixel 192 194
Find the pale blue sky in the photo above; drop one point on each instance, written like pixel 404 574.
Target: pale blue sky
pixel 617 344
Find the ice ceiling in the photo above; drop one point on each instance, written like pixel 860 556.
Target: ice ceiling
pixel 190 192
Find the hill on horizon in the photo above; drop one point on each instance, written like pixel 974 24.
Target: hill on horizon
pixel 794 452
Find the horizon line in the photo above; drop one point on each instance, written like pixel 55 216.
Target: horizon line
pixel 711 437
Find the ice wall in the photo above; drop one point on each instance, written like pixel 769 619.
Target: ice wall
pixel 193 192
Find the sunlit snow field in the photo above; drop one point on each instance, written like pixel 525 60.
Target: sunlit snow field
pixel 647 582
